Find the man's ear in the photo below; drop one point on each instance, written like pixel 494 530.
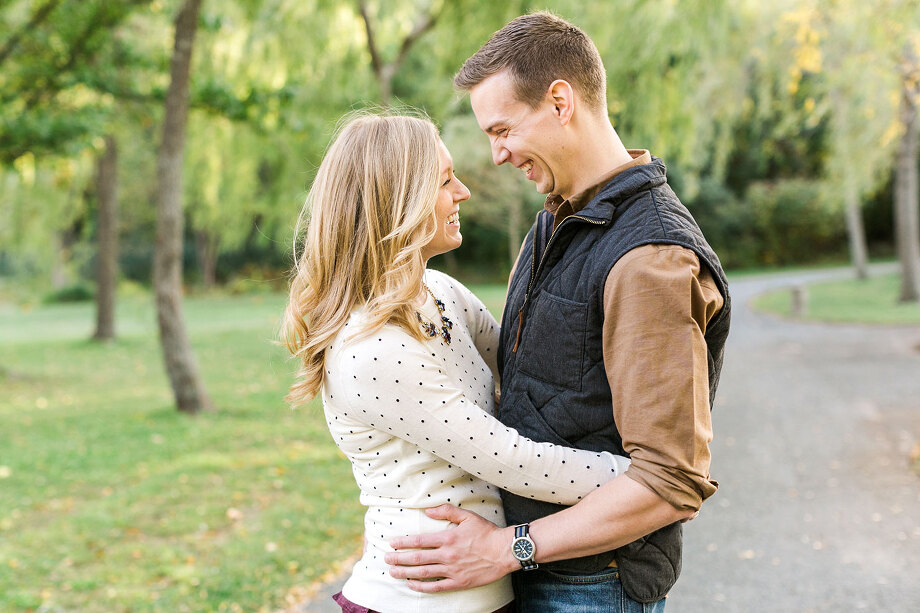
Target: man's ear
pixel 562 97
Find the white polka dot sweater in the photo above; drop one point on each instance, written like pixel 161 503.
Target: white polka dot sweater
pixel 415 420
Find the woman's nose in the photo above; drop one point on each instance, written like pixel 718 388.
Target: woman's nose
pixel 462 193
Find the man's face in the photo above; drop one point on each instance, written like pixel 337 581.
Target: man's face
pixel 526 138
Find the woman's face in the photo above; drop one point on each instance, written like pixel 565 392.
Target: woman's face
pixel 447 208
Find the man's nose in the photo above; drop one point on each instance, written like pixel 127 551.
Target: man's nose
pixel 500 155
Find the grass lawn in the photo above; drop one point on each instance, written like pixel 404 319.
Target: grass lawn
pixel 110 500
pixel 873 301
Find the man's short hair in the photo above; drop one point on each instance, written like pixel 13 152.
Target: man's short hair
pixel 537 49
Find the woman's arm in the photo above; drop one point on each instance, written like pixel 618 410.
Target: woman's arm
pixel 395 382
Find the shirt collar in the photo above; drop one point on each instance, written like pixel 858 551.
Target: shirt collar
pixel 554 203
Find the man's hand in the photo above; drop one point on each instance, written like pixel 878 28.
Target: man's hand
pixel 474 553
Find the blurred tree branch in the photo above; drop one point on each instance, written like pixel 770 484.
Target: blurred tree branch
pixel 385 71
pixel 37 18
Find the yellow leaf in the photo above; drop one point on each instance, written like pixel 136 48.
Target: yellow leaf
pixel 25 164
pixel 893 132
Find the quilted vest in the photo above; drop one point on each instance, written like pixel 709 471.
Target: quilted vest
pixel 554 386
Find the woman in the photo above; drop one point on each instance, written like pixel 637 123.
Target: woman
pixel 405 358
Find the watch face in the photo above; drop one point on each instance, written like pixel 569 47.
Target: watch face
pixel 522 549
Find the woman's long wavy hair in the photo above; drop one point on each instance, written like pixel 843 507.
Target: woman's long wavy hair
pixel 368 215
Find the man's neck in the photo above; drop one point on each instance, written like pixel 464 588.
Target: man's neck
pixel 600 151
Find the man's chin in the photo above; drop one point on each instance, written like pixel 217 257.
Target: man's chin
pixel 541 188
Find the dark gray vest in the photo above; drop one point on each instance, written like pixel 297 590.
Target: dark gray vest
pixel 554 387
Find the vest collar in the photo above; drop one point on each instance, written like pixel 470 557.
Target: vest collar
pixel 624 185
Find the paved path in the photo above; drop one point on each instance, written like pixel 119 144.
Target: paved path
pixel 818 510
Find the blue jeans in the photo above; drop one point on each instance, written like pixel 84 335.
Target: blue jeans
pixel 545 591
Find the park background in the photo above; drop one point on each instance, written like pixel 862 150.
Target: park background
pixel 147 206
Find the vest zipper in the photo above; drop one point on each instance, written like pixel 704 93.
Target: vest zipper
pixel 534 269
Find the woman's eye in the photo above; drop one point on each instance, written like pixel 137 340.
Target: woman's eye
pixel 446 182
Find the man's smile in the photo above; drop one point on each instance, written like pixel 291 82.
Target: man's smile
pixel 527 167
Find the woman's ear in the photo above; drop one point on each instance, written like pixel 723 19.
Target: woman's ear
pixel 563 99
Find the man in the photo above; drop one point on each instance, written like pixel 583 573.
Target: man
pixel 612 339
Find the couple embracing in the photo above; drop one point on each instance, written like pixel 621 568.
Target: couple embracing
pixel 569 493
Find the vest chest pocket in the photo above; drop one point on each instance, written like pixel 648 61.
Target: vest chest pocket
pixel 553 342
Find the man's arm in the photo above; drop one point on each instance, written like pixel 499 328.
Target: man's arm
pixel 658 302
pixel 478 552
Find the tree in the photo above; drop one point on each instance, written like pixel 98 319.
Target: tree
pixel 385 71
pixel 906 200
pixel 181 366
pixel 852 90
pixel 107 239
pixel 866 59
pixel 48 117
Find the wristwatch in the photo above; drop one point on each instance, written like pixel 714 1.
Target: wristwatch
pixel 523 548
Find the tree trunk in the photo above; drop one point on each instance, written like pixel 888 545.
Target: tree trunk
pixel 856 233
pixel 59 273
pixel 107 237
pixel 906 216
pixel 181 366
pixel 206 252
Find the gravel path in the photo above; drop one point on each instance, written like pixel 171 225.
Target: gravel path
pixel 818 509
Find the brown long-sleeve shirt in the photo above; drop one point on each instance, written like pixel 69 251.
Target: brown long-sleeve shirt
pixel 658 300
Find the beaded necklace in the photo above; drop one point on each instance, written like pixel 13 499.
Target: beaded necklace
pixel 430 328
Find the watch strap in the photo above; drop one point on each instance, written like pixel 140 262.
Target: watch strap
pixel 523 532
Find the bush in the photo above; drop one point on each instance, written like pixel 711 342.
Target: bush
pixel 77 292
pixel 777 223
pixel 727 224
pixel 253 279
pixel 794 224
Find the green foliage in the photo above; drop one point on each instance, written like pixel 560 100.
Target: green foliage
pixel 792 223
pixel 78 292
pixel 729 94
pixel 45 102
pixel 728 224
pixel 776 223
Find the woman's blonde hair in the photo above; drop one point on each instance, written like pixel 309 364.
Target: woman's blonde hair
pixel 368 215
